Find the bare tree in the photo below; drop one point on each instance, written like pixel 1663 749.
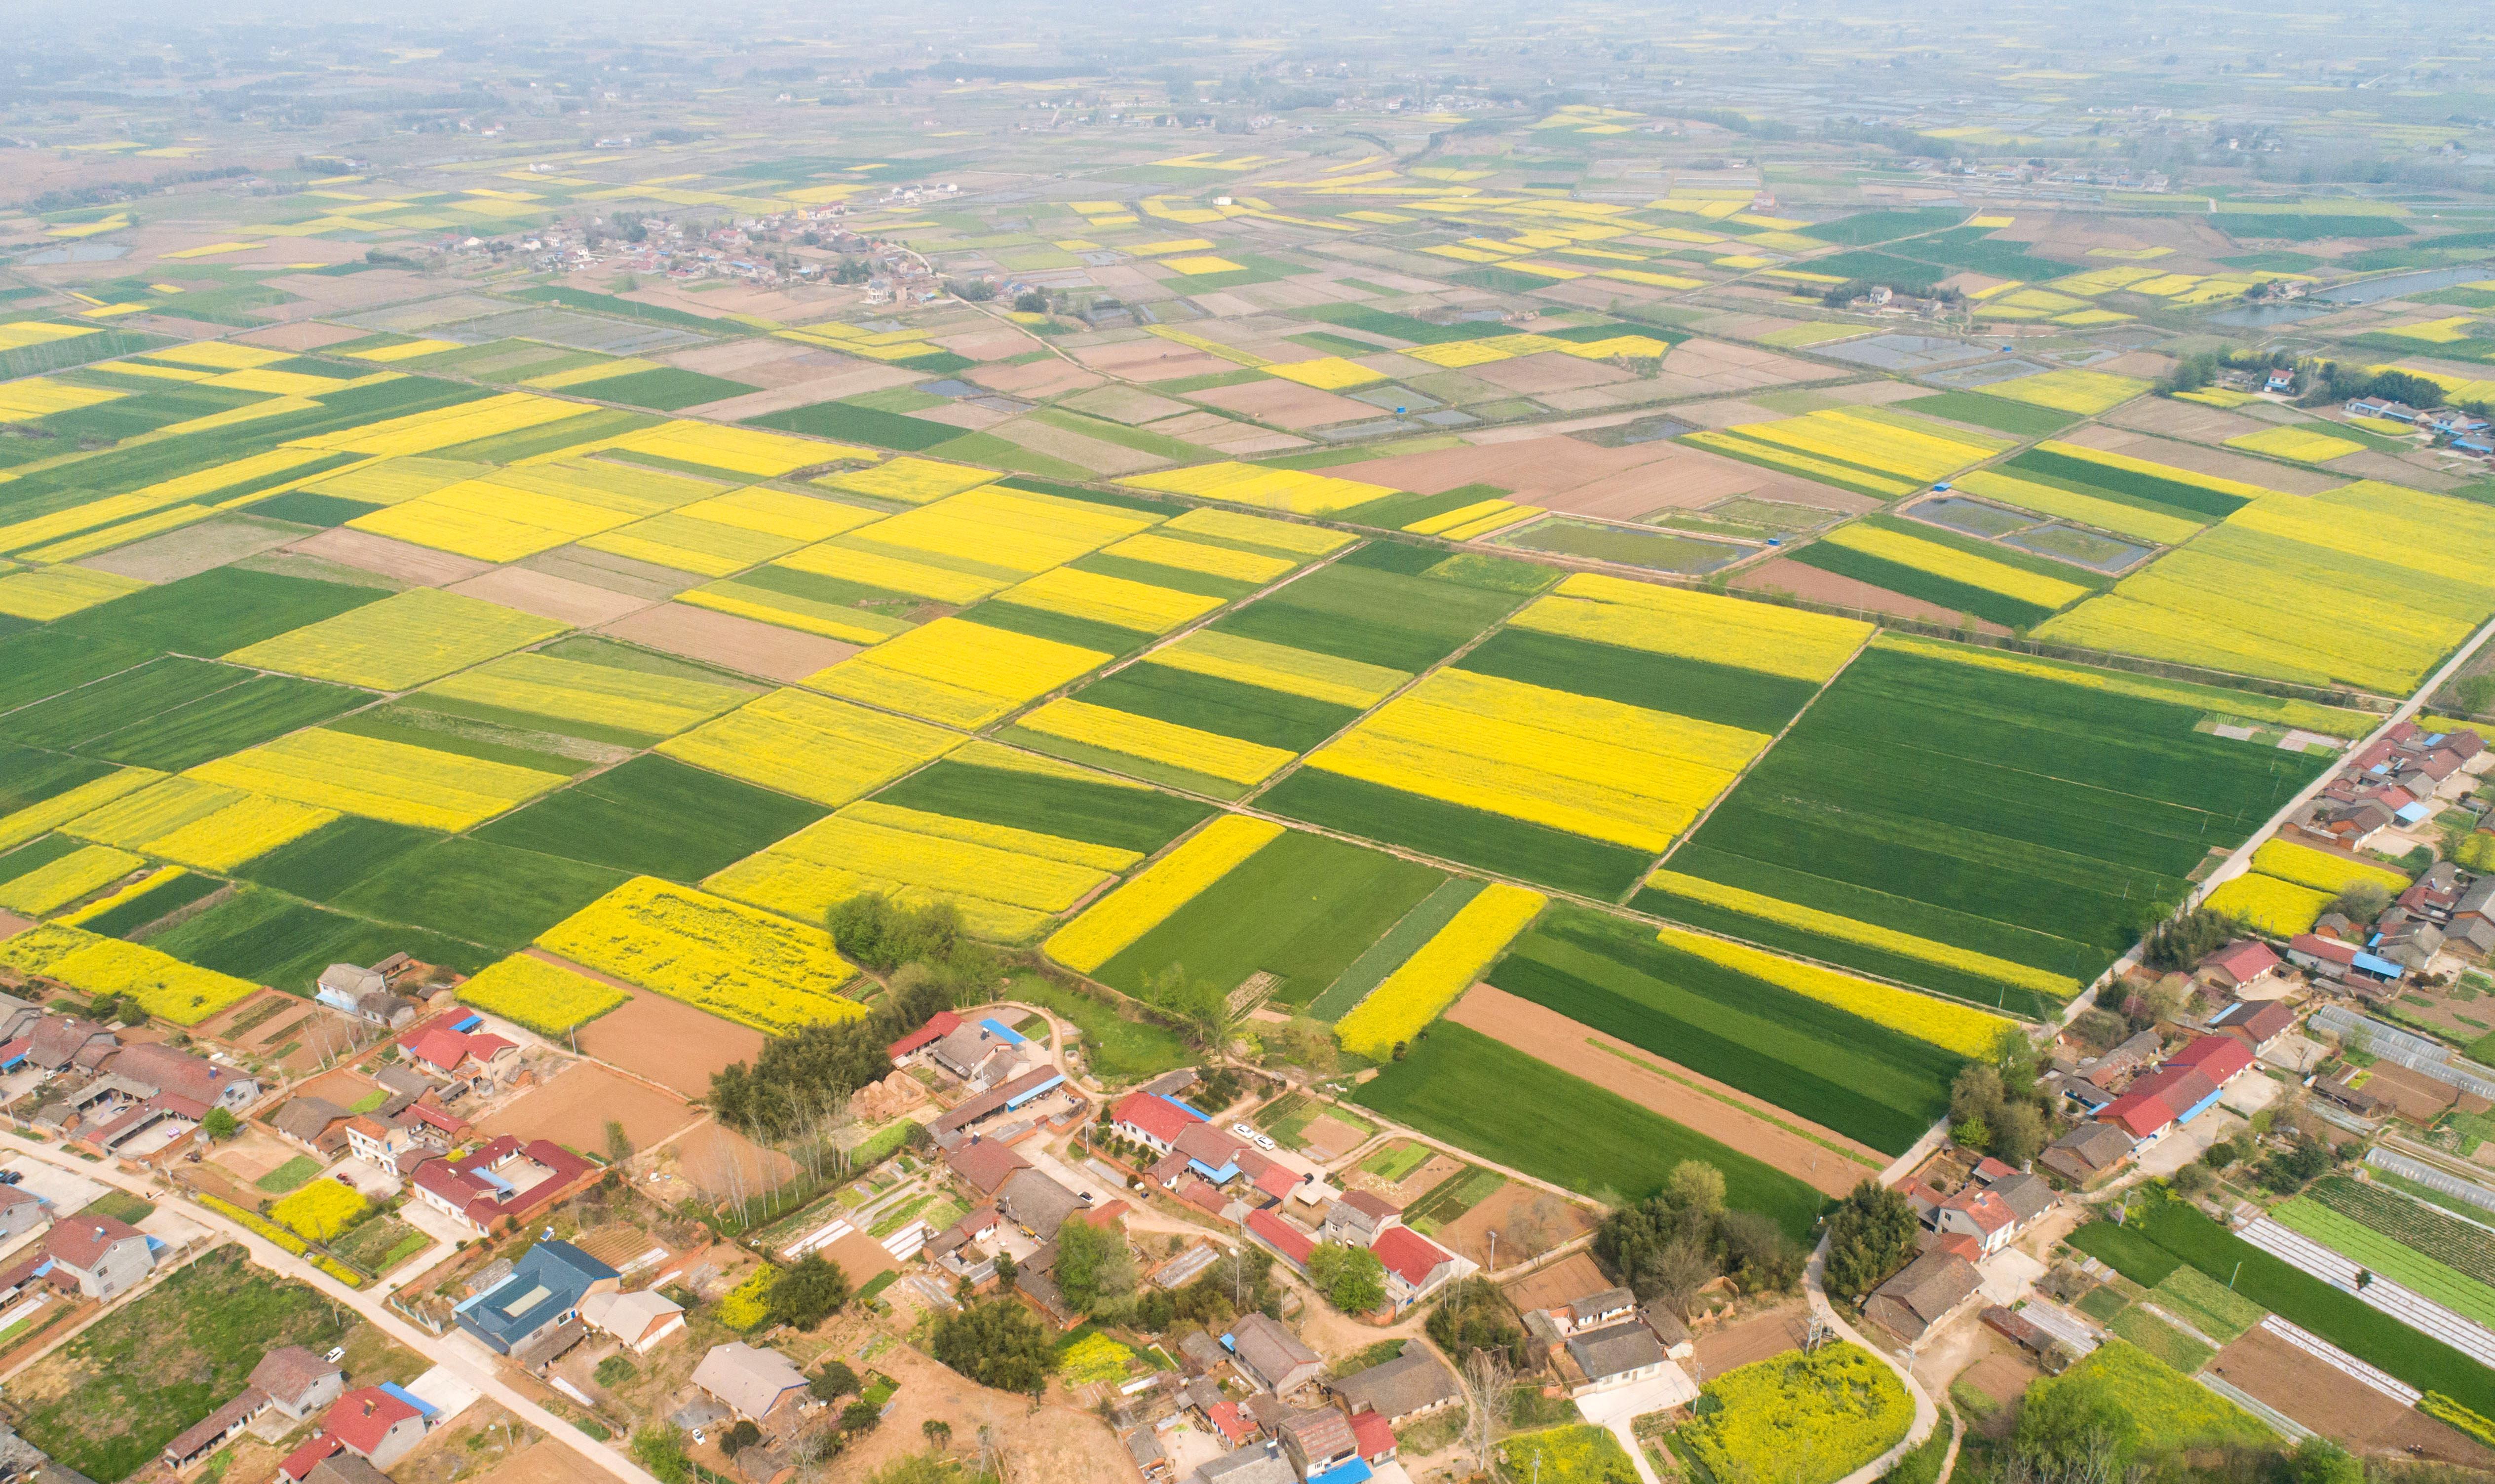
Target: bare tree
pixel 1487 1379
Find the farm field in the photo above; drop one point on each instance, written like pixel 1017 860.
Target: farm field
pixel 2090 800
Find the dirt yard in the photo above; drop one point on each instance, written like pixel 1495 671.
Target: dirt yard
pixel 1743 1341
pixel 575 1108
pixel 669 1043
pixel 1572 1277
pixel 1055 1443
pixel 721 1161
pixel 1709 1107
pixel 2324 1398
pixel 1529 1222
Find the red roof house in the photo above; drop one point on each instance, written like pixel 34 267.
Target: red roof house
pixel 939 1025
pixel 1374 1435
pixel 1153 1120
pixel 2239 964
pixel 2219 1058
pixel 2158 1101
pixel 1415 1266
pixel 1282 1237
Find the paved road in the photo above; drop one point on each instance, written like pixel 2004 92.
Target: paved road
pixel 278 1260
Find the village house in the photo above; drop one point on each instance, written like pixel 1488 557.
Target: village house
pixel 639 1320
pixel 751 1382
pixel 1995 1206
pixel 365 995
pixel 1320 1439
pixel 503 1180
pixel 1270 1357
pixel 1253 1464
pixel 2088 1152
pixel 98 1255
pixel 313 1123
pixel 2258 1025
pixel 397 1139
pixel 477 1061
pixel 377 1424
pixel 286 1388
pixel 2186 1085
pixel 1413 1385
pixel 544 1290
pixel 1923 1294
pixel 1614 1355
pixel 984 1165
pixel 1004 1100
pixel 21 1211
pixel 2243 968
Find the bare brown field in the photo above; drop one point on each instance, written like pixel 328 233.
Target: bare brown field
pixel 547 596
pixel 723 639
pixel 421 565
pixel 1572 1277
pixel 668 1042
pixel 575 1108
pixel 194 549
pixel 1287 404
pixel 2200 460
pixel 1744 1341
pixel 2324 1399
pixel 1828 587
pixel 1529 1222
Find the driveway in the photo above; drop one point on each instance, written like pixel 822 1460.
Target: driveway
pixel 2008 1276
pixel 66 1190
pixel 1616 1408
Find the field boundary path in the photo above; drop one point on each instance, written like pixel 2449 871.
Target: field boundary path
pixel 1926 1414
pixel 269 1256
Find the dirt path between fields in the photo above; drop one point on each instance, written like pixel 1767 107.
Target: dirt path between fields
pixel 1720 1112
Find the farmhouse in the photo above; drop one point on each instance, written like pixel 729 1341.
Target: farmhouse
pixel 2242 969
pixel 1416 1267
pixel 399 1139
pixel 1254 1464
pixel 21 1211
pixel 638 1320
pixel 1413 1384
pixel 477 1061
pixel 1994 1208
pixel 377 1424
pixel 502 1180
pixel 939 1025
pixel 1614 1356
pixel 544 1290
pixel 98 1255
pixel 1923 1294
pixel 288 1385
pixel 2088 1152
pixel 984 1165
pixel 313 1123
pixel 1320 1439
pixel 2259 1026
pixel 2187 1086
pixel 1008 1098
pixel 1271 1357
pixel 365 995
pixel 749 1382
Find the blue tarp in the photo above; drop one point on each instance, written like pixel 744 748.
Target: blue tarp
pixel 469 1022
pixel 1353 1473
pixel 1025 1095
pixel 393 1388
pixel 1189 1108
pixel 2376 965
pixel 1000 1032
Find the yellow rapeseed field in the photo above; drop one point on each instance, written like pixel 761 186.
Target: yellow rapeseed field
pixel 2083 393
pixel 1007 885
pixel 843 557
pixel 749 451
pixel 562 689
pixel 812 746
pixel 1168 883
pixel 51 814
pixel 1010 529
pixel 546 998
pixel 40 396
pixel 2277 907
pixel 163 984
pixel 1952 1027
pixel 1327 373
pixel 2322 871
pixel 1697 626
pixel 682 541
pixel 1213 560
pixel 956 672
pixel 1153 740
pixel 379 779
pixel 244 830
pixel 130 893
pixel 400 642
pixel 2087 510
pixel 1408 999
pixel 2305 446
pixel 57 592
pixel 1956 566
pixel 49 888
pixel 1280 489
pixel 752 599
pixel 909 481
pixel 1281 667
pixel 1119 600
pixel 722 956
pixel 1281 536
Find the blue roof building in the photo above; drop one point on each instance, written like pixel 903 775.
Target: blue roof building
pixel 544 1290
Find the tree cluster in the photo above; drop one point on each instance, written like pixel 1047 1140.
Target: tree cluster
pixel 1475 1316
pixel 1094 1270
pixel 998 1344
pixel 2333 381
pixel 1998 1106
pixel 2180 942
pixel 1351 1277
pixel 1870 1234
pixel 1668 1246
pixel 806 1295
pixel 1201 1007
pixel 1240 1282
pixel 932 965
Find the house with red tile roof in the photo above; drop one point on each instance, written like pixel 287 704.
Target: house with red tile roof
pixel 1153 1120
pixel 1416 1267
pixel 939 1025
pixel 377 1424
pixel 470 1056
pixel 98 1256
pixel 504 1179
pixel 2242 966
pixel 1287 1241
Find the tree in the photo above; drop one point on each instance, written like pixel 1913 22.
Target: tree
pixel 978 290
pixel 1094 1270
pixel 1971 1133
pixel 1031 301
pixel 809 1292
pixel 1475 1316
pixel 618 1144
pixel 938 1432
pixel 660 1449
pixel 2318 1461
pixel 1758 1253
pixel 1871 1235
pixel 1695 1189
pixel 2363 901
pixel 834 1382
pixel 996 1344
pixel 1005 1269
pixel 2181 942
pixel 219 1125
pixel 738 1439
pixel 2192 1179
pixel 2073 1431
pixel 860 1416
pixel 2018 1134
pixel 1351 1277
pixel 1303 1042
pixel 1487 1377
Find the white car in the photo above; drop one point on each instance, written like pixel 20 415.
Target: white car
pixel 1263 1142
pixel 1245 1133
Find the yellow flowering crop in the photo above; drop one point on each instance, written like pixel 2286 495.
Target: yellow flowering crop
pixel 40 396
pixel 163 986
pixel 573 690
pixel 2281 909
pixel 546 998
pixel 812 746
pixel 2322 871
pixel 1281 667
pixel 909 481
pixel 245 829
pixel 57 592
pixel 749 451
pixel 1157 741
pixel 957 671
pixel 1455 354
pixel 2070 390
pixel 163 807
pixel 1164 886
pixel 2087 510
pixel 1697 626
pixel 1952 1027
pixel 2303 445
pixel 494 519
pixel 1408 999
pixel 1257 530
pixel 1282 489
pixel 1326 373
pixel 319 1211
pixel 379 779
pixel 401 642
pixel 678 539
pixel 130 893
pixel 89 542
pixel 52 886
pixel 389 481
pixel 1855 438
pixel 39 819
pixel 449 427
pixel 749 600
pixel 1831 925
pixel 1431 525
pixel 1956 566
pixel 1202 556
pixel 747 966
pixel 1003 837
pixel 1007 882
pixel 1591 767
pixel 1729 442
pixel 222 354
pixel 779 512
pixel 843 557
pixel 1119 600
pixel 1094 1359
pixel 1011 530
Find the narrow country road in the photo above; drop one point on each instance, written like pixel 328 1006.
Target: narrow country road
pixel 278 1260
pixel 1928 1415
